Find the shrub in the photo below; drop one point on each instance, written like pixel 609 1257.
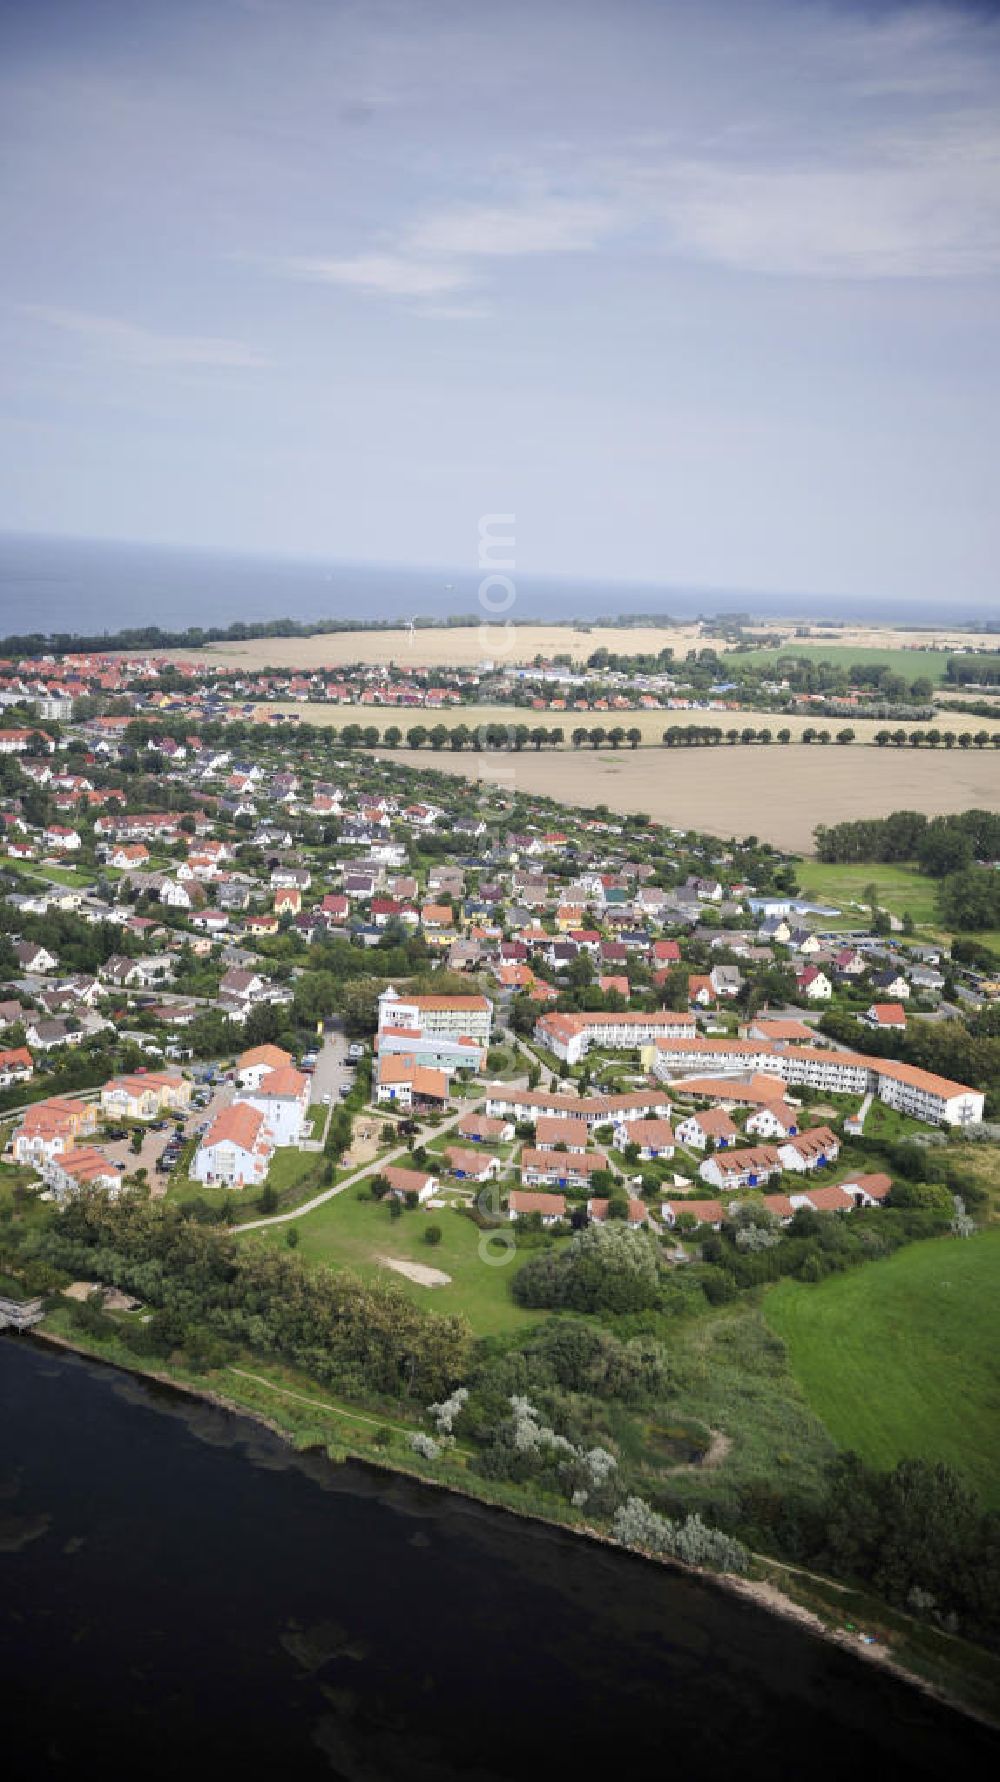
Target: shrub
pixel 432 1234
pixel 604 1268
pixel 636 1525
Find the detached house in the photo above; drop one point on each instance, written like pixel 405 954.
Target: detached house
pixel 16 1066
pixel 893 985
pixel 473 1166
pixel 34 958
pixel 775 1120
pixel 703 1212
pixel 410 1181
pixel 654 1138
pixel 809 1150
pixel 712 1126
pixel 741 1169
pixel 885 1017
pixel 549 1207
pixel 814 984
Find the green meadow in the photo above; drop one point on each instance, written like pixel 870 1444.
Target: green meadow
pixel 911 664
pixel 900 1359
pixel 901 889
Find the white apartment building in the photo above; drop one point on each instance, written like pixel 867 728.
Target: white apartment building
pixel 453 1016
pixel 571 1036
pixel 936 1100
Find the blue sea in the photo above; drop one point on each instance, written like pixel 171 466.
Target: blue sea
pixel 89 588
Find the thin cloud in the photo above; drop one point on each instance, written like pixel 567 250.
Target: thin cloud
pixel 136 345
pixel 386 275
pixel 907 207
pixel 550 226
pixel 435 256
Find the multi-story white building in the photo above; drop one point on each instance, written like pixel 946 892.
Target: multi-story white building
pixel 456 1017
pixel 236 1150
pixel 282 1097
pixel 570 1037
pixel 919 1093
pixel 503 1101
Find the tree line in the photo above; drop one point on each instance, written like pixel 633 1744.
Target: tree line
pixel 363 1338
pixel 938 845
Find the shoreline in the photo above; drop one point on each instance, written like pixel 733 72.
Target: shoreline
pixel 761 1592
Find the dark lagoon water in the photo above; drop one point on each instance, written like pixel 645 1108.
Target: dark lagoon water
pixel 91 587
pixel 182 1595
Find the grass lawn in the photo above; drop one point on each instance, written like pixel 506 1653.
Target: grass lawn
pixel 899 1359
pixel 900 888
pixel 353 1233
pixel 76 878
pixel 288 1169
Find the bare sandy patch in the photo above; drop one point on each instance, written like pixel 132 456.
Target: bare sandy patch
pixel 365 1142
pixel 775 793
pixel 113 1298
pixel 416 1271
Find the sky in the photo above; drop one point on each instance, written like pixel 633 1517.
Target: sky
pixel 702 292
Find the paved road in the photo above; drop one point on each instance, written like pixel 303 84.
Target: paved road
pixel 366 1169
pixel 548 1080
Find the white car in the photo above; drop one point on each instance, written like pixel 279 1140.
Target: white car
pixel 327 1099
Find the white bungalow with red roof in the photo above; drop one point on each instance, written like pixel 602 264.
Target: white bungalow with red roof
pixel 830 1199
pixel 549 1207
pixel 473 1166
pixel 703 1212
pixel 885 1017
pixel 404 1182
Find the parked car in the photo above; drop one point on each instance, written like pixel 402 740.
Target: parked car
pixel 355 1050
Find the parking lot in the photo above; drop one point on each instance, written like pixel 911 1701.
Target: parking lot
pixel 158 1135
pixel 333 1075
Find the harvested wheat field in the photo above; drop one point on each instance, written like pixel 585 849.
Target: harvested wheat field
pixel 651 724
pixel 779 794
pixel 466 646
pixel 459 646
